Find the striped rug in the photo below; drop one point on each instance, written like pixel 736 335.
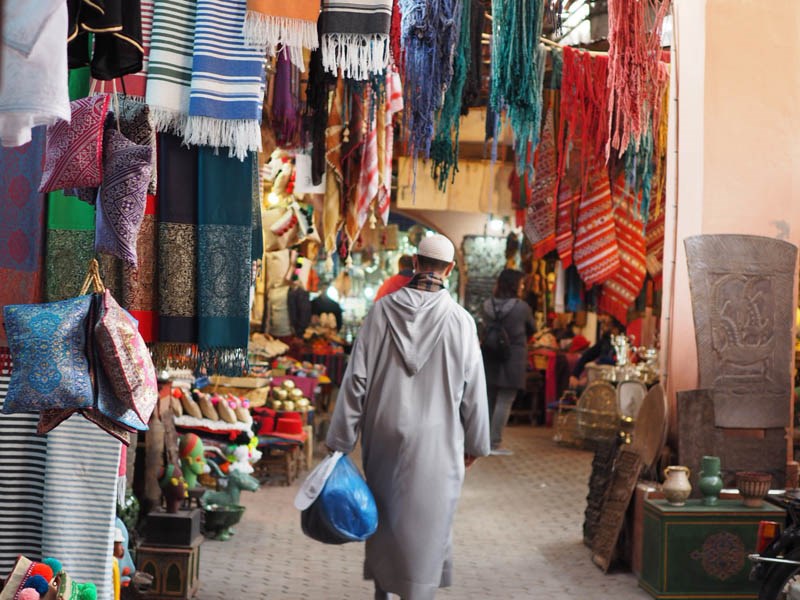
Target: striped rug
pixel 596 253
pixel 227 90
pixel 169 71
pixel 80 501
pixel 22 456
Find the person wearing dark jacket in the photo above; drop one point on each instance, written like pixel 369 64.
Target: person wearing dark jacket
pixel 504 378
pixel 325 304
pixel 602 352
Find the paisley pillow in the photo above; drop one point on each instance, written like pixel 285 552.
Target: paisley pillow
pixel 123 196
pixel 74 152
pixel 48 349
pixel 125 358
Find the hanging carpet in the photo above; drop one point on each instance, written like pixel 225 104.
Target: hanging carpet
pixel 540 216
pixel 566 207
pixel 596 252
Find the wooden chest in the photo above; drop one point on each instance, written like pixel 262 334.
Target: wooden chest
pixel 697 551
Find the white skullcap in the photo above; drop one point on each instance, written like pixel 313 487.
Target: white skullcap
pixel 438 247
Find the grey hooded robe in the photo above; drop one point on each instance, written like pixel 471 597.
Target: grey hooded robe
pixel 415 390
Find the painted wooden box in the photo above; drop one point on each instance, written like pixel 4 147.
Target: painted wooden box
pixel 697 551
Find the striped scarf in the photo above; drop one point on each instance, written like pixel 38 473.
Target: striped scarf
pixel 370 168
pixel 332 207
pixel 394 104
pixel 135 84
pixel 291 25
pixel 227 84
pixel 596 251
pixel 355 37
pixel 169 73
pixel 427 282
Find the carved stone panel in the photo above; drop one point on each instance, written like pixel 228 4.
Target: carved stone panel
pixel 742 299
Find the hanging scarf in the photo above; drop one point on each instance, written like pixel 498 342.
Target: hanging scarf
pixel 574 300
pixel 566 206
pixel 518 70
pixel 396 36
pixel 224 258
pixel 621 290
pixel 169 73
pixel 135 84
pixel 331 211
pixel 81 471
pixel 394 104
pixel 654 242
pixel 583 112
pixel 444 148
pixel 277 23
pixel 474 81
pixel 634 78
pixel 369 173
pixel 177 253
pixel 355 37
pixel 22 454
pixel 352 152
pixel 430 32
pixel 285 117
pixel 540 216
pixel 315 117
pixel 116 26
pixel 227 89
pixel 257 229
pixel 21 224
pixel 596 252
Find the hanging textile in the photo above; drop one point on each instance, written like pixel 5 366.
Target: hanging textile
pixel 444 147
pixel 654 242
pixel 596 252
pixel 316 114
pixel 256 227
pixel 474 81
pixel 80 495
pixel 33 86
pixel 518 71
pixel 355 37
pixel 133 85
pixel 574 300
pixel 634 75
pixel 370 168
pixel 353 147
pixel 224 258
pixel 22 454
pixel 21 224
pixel 583 121
pixel 540 216
pixel 177 253
pixel 227 88
pixel 430 32
pixel 169 73
pixel 566 207
pixel 621 290
pixel 394 104
pixel 285 109
pixel 396 37
pixel 271 24
pixel 331 210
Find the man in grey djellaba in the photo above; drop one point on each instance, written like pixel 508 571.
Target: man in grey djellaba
pixel 415 390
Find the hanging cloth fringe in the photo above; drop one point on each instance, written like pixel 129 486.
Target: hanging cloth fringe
pixel 285 108
pixel 634 76
pixel 277 24
pixel 444 147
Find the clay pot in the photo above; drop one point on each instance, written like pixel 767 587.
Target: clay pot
pixel 753 486
pixel 676 486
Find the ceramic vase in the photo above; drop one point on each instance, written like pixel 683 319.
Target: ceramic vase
pixel 710 482
pixel 676 486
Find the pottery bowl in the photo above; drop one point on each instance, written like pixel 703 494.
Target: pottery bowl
pixel 219 517
pixel 753 486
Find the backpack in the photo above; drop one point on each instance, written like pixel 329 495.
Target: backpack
pixel 495 343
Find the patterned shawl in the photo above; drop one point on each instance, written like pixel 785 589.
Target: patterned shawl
pixel 355 37
pixel 135 84
pixel 370 168
pixel 224 199
pixel 540 216
pixel 621 290
pixel 169 72
pixel 291 25
pixel 21 224
pixel 394 104
pixel 566 205
pixel 596 251
pixel 332 211
pixel 227 88
pixel 177 252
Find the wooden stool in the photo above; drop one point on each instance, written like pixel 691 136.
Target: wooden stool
pixel 279 462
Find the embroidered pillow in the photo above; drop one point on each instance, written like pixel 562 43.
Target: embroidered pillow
pixel 135 124
pixel 123 196
pixel 111 407
pixel 74 152
pixel 125 358
pixel 48 349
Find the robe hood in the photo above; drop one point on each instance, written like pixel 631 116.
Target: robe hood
pixel 416 321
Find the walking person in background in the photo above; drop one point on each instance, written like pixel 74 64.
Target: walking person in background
pixel 415 391
pixel 506 370
pixel 405 266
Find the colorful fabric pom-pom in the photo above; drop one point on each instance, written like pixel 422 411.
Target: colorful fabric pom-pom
pixel 29 594
pixel 38 583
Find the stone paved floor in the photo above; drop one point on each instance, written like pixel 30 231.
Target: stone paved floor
pixel 517 536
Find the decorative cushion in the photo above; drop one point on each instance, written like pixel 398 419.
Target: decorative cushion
pixel 123 196
pixel 125 358
pixel 74 153
pixel 48 349
pixel 134 123
pixel 111 407
pixel 110 426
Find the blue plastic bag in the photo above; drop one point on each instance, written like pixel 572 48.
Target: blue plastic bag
pixel 344 511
